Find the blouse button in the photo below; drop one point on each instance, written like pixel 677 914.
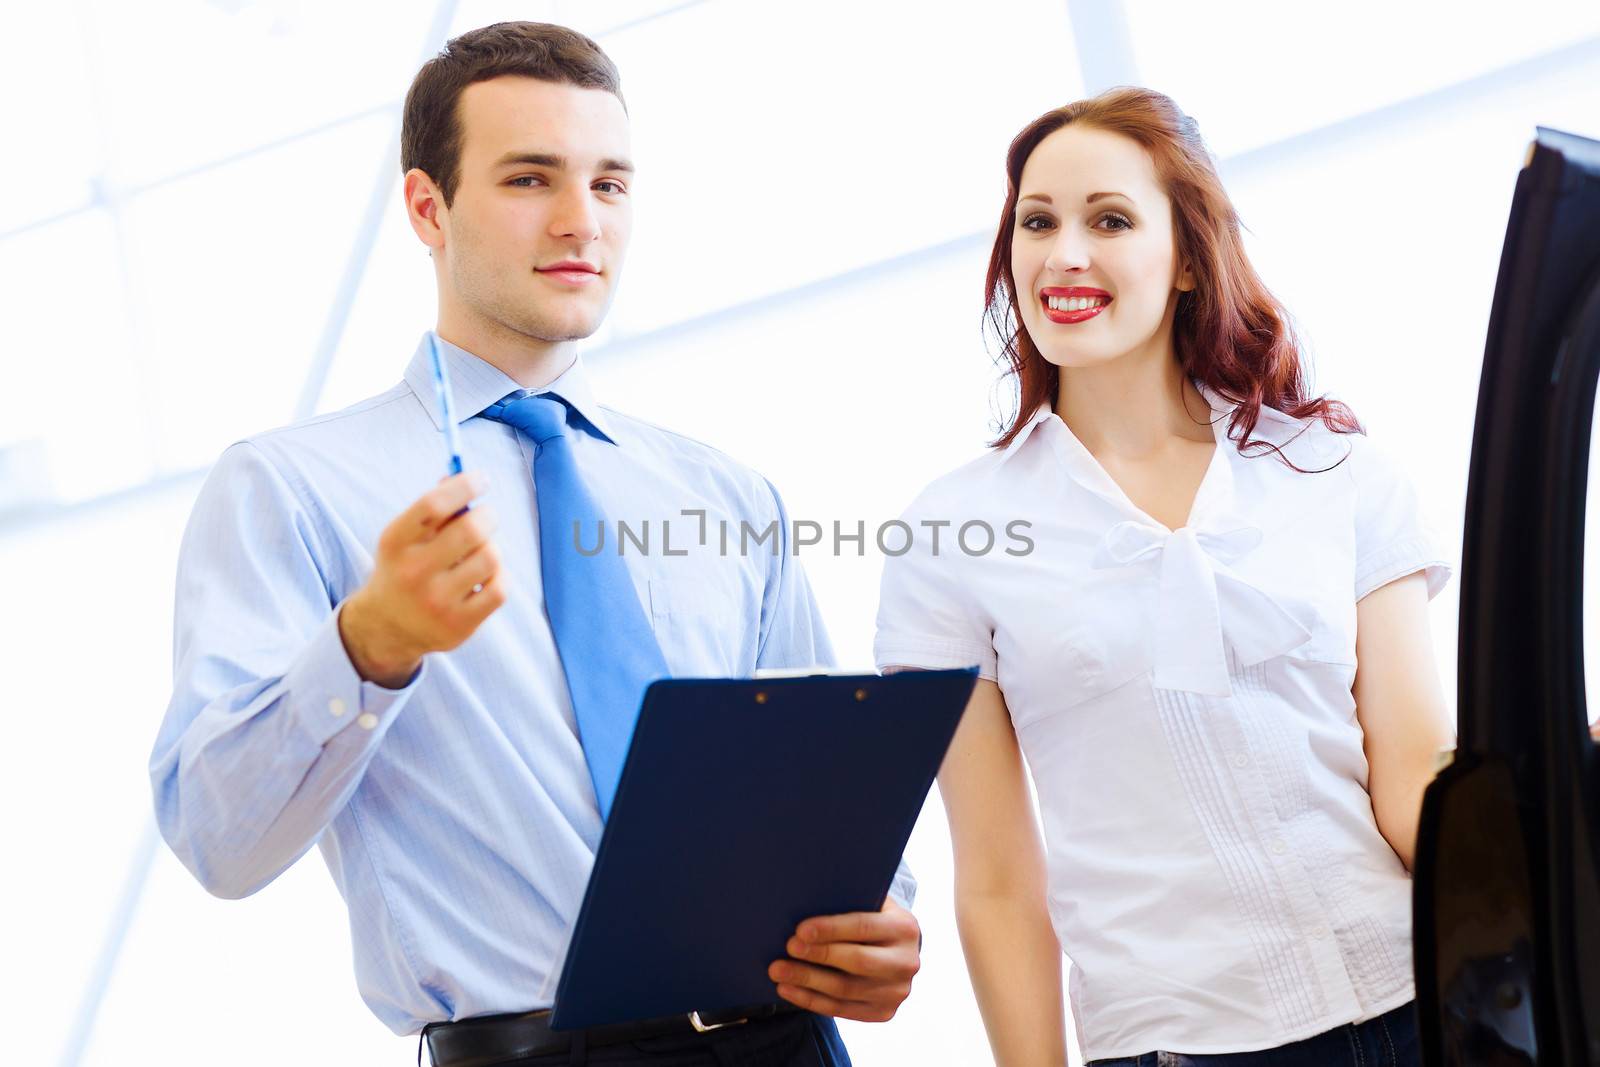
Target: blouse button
pixel 1278 847
pixel 1241 760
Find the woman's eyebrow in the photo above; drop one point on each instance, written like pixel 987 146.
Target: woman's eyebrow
pixel 1044 198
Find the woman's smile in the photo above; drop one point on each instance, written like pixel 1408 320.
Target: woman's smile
pixel 1072 304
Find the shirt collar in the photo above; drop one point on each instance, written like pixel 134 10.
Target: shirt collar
pixel 1296 437
pixel 1216 490
pixel 475 384
pixel 1220 409
pixel 1041 413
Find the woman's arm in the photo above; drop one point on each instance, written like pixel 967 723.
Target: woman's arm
pixel 1011 949
pixel 1400 705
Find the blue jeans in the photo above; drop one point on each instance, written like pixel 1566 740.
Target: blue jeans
pixel 1390 1040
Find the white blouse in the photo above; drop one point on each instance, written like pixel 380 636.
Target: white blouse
pixel 1183 700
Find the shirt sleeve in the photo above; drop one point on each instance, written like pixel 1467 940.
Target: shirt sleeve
pixel 1393 538
pixel 269 727
pixel 926 615
pixel 792 631
pixel 924 620
pixel 793 635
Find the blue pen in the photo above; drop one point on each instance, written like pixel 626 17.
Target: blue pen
pixel 447 408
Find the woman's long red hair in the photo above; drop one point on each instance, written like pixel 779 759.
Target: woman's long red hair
pixel 1229 332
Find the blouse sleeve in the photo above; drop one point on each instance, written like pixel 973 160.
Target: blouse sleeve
pixel 1393 538
pixel 926 616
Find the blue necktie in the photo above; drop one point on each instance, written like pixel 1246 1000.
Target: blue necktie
pixel 608 650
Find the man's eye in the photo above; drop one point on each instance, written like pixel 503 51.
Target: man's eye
pixel 525 178
pixel 611 186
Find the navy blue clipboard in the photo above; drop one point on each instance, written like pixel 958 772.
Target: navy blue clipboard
pixel 744 807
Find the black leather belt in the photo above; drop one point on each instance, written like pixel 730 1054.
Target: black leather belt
pixel 494 1039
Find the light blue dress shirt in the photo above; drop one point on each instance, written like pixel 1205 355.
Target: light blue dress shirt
pixel 456 815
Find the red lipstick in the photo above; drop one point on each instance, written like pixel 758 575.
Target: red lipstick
pixel 1063 291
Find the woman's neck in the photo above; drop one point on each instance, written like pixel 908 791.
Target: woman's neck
pixel 1132 407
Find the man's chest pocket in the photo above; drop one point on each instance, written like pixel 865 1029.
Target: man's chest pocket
pixel 706 622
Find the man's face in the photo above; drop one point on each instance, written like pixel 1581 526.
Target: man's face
pixel 535 237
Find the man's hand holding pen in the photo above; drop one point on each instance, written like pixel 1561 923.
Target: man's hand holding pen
pixel 436 577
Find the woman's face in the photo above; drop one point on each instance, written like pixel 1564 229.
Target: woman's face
pixel 1092 249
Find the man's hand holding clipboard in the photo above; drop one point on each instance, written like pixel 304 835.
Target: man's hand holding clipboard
pixel 856 966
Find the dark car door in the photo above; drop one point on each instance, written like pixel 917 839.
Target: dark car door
pixel 1507 890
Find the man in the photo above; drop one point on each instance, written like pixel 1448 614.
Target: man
pixel 422 683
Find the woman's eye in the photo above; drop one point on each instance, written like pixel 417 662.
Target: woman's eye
pixel 1039 223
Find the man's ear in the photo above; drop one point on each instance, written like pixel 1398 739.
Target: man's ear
pixel 423 208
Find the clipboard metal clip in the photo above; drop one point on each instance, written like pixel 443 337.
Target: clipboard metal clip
pixel 702 1027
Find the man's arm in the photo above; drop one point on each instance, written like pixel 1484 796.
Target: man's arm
pixel 277 707
pixel 793 635
pixel 872 956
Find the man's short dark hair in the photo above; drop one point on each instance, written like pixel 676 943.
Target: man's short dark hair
pixel 430 132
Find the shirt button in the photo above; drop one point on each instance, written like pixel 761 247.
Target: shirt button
pixel 367 721
pixel 336 707
pixel 1278 847
pixel 1241 760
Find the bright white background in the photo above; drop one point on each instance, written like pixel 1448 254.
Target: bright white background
pixel 202 236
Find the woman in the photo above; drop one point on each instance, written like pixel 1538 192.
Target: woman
pixel 1213 652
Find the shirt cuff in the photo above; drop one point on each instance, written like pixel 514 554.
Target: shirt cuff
pixel 932 654
pixel 328 696
pixel 1400 558
pixel 904 889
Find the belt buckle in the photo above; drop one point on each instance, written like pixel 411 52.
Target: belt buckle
pixel 703 1027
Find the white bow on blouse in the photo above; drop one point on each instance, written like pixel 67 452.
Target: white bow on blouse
pixel 1203 604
